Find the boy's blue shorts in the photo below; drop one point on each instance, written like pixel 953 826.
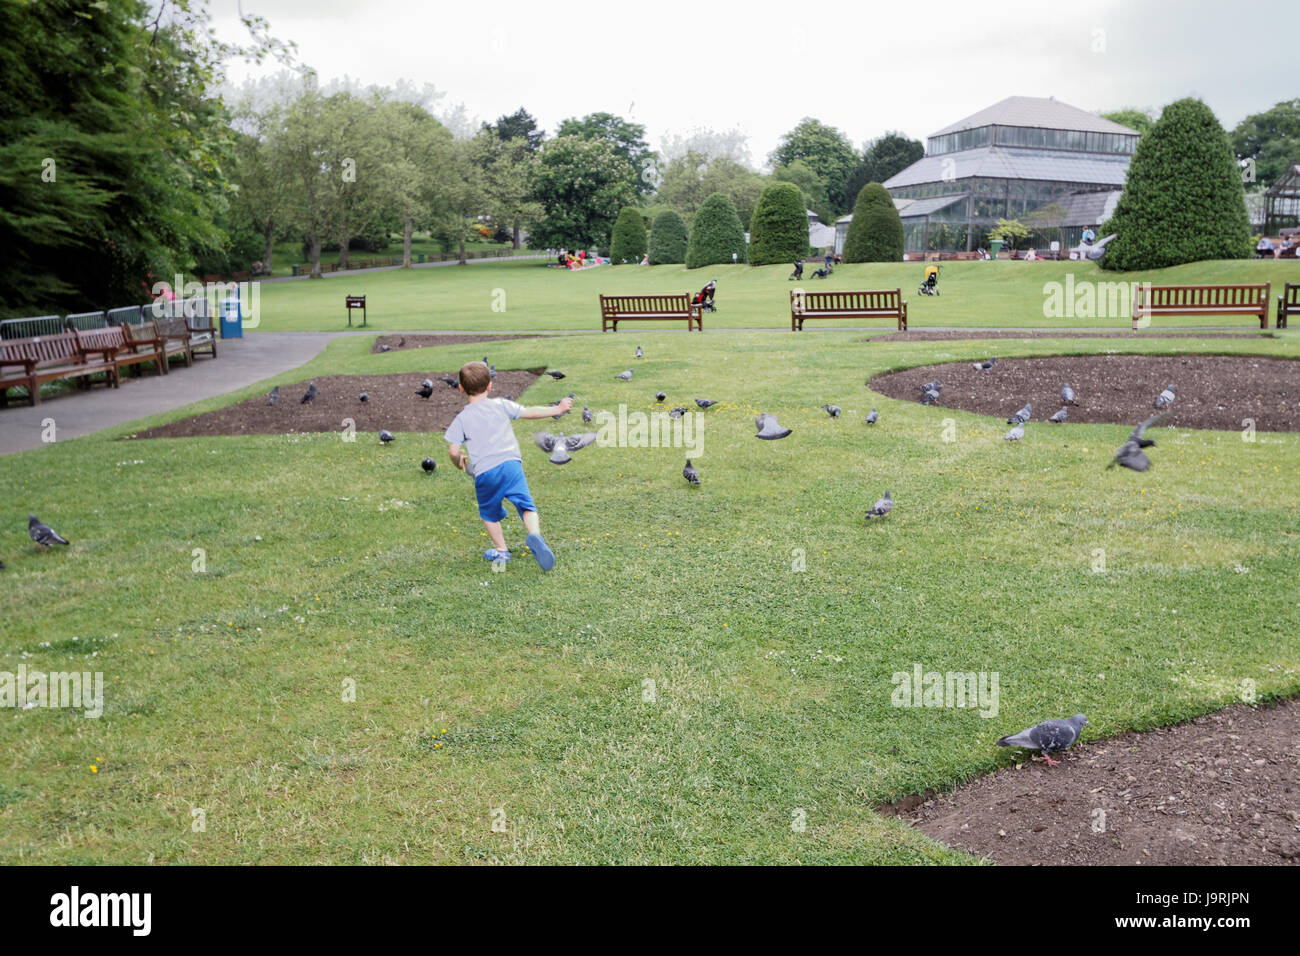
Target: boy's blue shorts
pixel 503 483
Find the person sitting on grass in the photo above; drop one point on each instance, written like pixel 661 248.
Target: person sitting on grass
pixel 498 467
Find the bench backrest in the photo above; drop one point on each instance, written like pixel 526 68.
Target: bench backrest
pixel 1291 295
pixel 43 350
pixel 644 304
pixel 1158 297
pixel 878 301
pixel 106 338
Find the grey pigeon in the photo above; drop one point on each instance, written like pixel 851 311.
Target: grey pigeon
pixel 429 465
pixel 690 474
pixel 769 429
pixel 639 353
pixel 1164 399
pixel 705 402
pixel 1060 416
pixel 274 396
pixel 309 396
pixel 882 507
pixel 985 365
pixel 931 396
pixel 365 397
pixel 1048 737
pixel 560 445
pixel 385 435
pixel 385 348
pixel 556 375
pixel 625 376
pixel 402 344
pixel 677 413
pixel 1016 433
pixel 1067 394
pixel 586 415
pixel 1022 416
pixel 492 371
pixel 425 389
pixel 932 386
pixel 449 382
pixel 832 410
pixel 43 534
pixel 660 396
pixel 873 417
pixel 1130 454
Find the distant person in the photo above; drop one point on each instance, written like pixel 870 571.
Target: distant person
pixel 798 271
pixel 1264 247
pixel 829 261
pixel 1089 237
pixel 645 259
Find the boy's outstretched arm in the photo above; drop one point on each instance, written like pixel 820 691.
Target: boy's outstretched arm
pixel 457 456
pixel 547 411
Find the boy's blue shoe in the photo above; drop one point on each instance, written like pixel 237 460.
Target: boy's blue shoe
pixel 541 550
pixel 492 554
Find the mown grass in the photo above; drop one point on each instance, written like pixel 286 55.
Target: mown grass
pixel 528 295
pixel 477 691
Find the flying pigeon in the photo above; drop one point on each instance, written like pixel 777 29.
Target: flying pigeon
pixel 560 445
pixel 985 365
pixel 690 474
pixel 1067 394
pixel 1130 454
pixel 832 410
pixel 1164 399
pixel 449 382
pixel 385 348
pixel 873 417
pixel 768 428
pixel 274 396
pixel 365 396
pixel 1060 416
pixel 677 413
pixel 556 375
pixel 43 534
pixel 429 465
pixel 639 353
pixel 1048 737
pixel 882 507
pixel 660 396
pixel 705 402
pixel 625 376
pixel 385 435
pixel 310 394
pixel 1016 433
pixel 586 415
pixel 1022 416
pixel 931 396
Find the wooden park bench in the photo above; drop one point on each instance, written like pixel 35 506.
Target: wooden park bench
pixel 110 345
pixel 1288 303
pixel 1153 300
pixel 145 337
pixel 649 308
pixel 30 362
pixel 193 333
pixel 879 304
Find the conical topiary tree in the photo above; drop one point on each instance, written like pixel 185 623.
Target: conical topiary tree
pixel 876 232
pixel 1183 200
pixel 716 234
pixel 779 230
pixel 668 239
pixel 627 240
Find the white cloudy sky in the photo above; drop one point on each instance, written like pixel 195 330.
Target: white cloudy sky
pixel 673 65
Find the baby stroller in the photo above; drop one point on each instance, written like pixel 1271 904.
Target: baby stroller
pixel 824 271
pixel 704 298
pixel 931 284
pixel 798 271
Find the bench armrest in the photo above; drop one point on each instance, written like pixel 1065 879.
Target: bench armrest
pixel 29 365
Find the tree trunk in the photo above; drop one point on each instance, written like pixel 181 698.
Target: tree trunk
pixel 343 251
pixel 406 242
pixel 462 250
pixel 315 257
pixel 516 235
pixel 269 249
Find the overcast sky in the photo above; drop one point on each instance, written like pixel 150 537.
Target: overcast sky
pixel 912 66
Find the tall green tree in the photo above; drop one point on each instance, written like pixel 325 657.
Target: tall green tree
pixel 884 157
pixel 421 170
pixel 876 232
pixel 717 234
pixel 627 241
pixel 508 167
pixel 1271 140
pixel 779 230
pixel 813 189
pixel 518 125
pixel 827 152
pixel 1140 120
pixel 627 139
pixel 579 185
pixel 668 238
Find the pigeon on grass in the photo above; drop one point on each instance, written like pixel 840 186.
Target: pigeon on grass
pixel 660 396
pixel 429 465
pixel 873 417
pixel 43 534
pixel 586 415
pixel 677 413
pixel 705 402
pixel 385 435
pixel 690 474
pixel 639 353
pixel 1016 433
pixel 1022 416
pixel 556 375
pixel 625 375
pixel 882 507
pixel 769 429
pixel 1130 454
pixel 833 411
pixel 560 445
pixel 1048 737
pixel 1060 416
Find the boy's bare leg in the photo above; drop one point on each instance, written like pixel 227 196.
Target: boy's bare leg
pixel 494 532
pixel 530 522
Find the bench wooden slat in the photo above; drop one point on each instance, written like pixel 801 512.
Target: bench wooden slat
pixel 649 308
pixel 1288 304
pixel 30 362
pixel 1246 299
pixel 861 304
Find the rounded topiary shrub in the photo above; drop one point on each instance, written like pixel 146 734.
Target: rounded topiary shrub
pixel 1183 200
pixel 627 242
pixel 716 234
pixel 779 230
pixel 668 239
pixel 876 232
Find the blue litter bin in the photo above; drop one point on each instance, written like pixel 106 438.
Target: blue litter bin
pixel 232 323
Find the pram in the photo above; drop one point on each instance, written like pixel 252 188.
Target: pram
pixel 704 298
pixel 824 271
pixel 798 271
pixel 931 284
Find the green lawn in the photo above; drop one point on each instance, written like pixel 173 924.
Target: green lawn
pixel 478 691
pixel 289 254
pixel 528 295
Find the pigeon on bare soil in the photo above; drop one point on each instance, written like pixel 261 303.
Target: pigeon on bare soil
pixel 1067 394
pixel 43 534
pixel 385 435
pixel 931 397
pixel 690 474
pixel 1048 737
pixel 625 375
pixel 1022 416
pixel 274 396
pixel 1016 433
pixel 833 411
pixel 385 348
pixel 449 382
pixel 429 465
pixel 882 507
pixel 310 395
pixel 931 387
pixel 365 397
pixel 705 402
pixel 769 429
pixel 1130 454
pixel 425 389
pixel 402 344
pixel 1165 398
pixel 985 365
pixel 560 445
pixel 1060 416
pixel 873 417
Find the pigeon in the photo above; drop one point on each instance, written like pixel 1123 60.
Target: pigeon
pixel 586 415
pixel 385 435
pixel 1022 416
pixel 1067 394
pixel 385 348
pixel 690 474
pixel 310 394
pixel 43 534
pixel 402 344
pixel 677 413
pixel 492 371
pixel 769 429
pixel 932 386
pixel 560 445
pixel 705 402
pixel 931 396
pixel 1060 416
pixel 1164 399
pixel 1047 737
pixel 833 410
pixel 274 396
pixel 425 389
pixel 365 397
pixel 985 365
pixel 873 417
pixel 625 376
pixel 2 566
pixel 449 382
pixel 882 507
pixel 556 375
pixel 1016 433
pixel 1130 454
pixel 429 465
pixel 660 396
pixel 639 353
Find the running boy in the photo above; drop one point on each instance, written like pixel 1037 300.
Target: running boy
pixel 498 467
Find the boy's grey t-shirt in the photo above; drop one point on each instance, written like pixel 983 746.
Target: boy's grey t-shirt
pixel 485 427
